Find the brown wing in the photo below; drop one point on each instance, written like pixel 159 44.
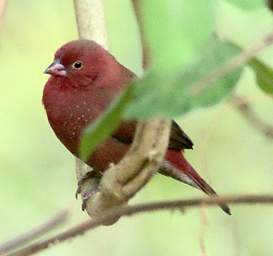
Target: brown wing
pixel 178 138
pixel 125 132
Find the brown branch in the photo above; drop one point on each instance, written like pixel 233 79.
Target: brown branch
pixel 145 50
pixel 34 233
pixel 122 181
pixel 141 208
pixel 234 63
pixel 246 110
pixel 90 20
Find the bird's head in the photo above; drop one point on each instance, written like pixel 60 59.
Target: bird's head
pixel 80 61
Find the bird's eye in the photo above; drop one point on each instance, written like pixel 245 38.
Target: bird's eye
pixel 77 65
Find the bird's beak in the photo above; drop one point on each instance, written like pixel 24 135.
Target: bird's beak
pixel 56 69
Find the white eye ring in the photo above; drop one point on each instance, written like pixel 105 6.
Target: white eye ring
pixel 77 65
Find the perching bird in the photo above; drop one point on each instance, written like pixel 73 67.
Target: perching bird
pixel 85 79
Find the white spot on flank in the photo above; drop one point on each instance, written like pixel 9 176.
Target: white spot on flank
pixel 84 103
pixel 77 106
pixel 88 109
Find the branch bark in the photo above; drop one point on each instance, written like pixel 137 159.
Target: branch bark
pixel 246 110
pixel 234 63
pixel 146 58
pixel 122 181
pixel 34 233
pixel 91 25
pixel 141 208
pixel 90 20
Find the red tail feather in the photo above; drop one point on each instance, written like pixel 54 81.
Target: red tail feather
pixel 180 169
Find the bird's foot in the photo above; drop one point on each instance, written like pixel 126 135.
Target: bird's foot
pixel 87 176
pixel 87 194
pixel 94 179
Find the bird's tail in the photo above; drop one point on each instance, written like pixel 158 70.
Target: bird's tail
pixel 177 167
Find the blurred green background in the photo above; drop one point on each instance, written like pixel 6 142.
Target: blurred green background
pixel 37 176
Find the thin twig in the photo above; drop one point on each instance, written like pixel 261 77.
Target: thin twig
pixel 243 106
pixel 234 63
pixel 146 58
pixel 141 208
pixel 34 233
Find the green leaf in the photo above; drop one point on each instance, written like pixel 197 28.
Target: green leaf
pixel 248 4
pixel 176 30
pixel 98 131
pixel 264 75
pixel 172 93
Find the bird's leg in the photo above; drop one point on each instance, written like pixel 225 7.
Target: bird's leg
pixel 86 177
pixel 95 180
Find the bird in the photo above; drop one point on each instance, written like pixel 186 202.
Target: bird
pixel 84 79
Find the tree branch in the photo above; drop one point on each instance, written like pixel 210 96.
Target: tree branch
pixel 246 110
pixel 145 49
pixel 90 20
pixel 91 25
pixel 234 63
pixel 122 181
pixel 34 233
pixel 141 208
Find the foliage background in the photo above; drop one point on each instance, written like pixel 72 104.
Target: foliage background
pixel 37 174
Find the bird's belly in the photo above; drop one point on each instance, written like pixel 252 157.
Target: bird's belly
pixel 109 152
pixel 69 123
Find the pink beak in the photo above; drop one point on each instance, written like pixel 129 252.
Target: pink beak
pixel 56 69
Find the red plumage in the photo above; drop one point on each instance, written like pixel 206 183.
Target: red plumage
pixel 84 80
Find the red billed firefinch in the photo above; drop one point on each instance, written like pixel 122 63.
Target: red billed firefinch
pixel 84 80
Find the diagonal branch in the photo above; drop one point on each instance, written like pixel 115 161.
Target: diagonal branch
pixel 34 233
pixel 243 106
pixel 234 63
pixel 141 208
pixel 146 58
pixel 123 181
